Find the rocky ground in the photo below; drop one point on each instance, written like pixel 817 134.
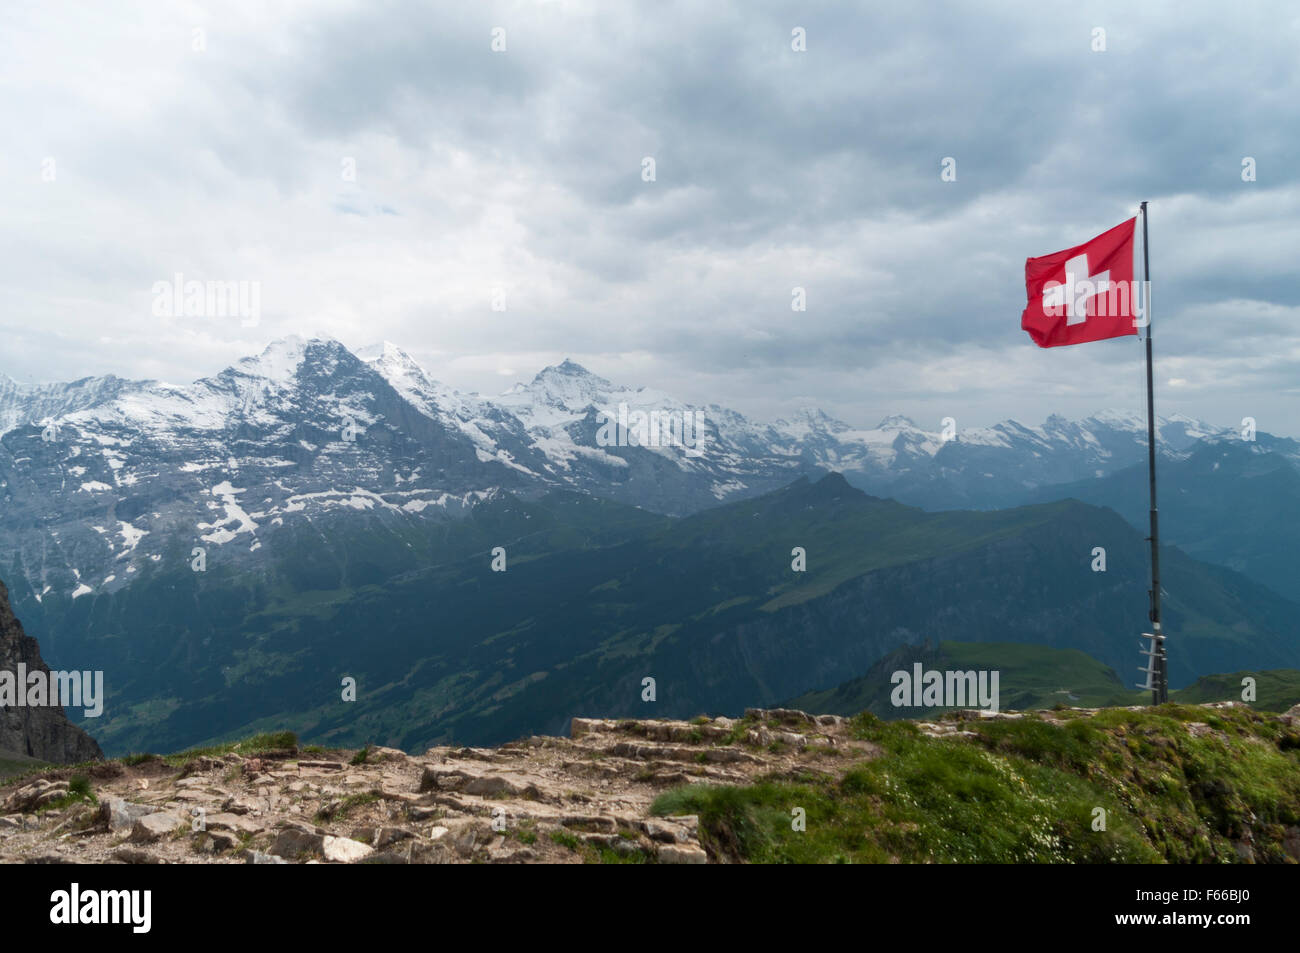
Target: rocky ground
pixel 543 799
pixel 1204 783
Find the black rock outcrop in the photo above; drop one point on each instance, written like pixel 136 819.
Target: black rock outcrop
pixel 43 731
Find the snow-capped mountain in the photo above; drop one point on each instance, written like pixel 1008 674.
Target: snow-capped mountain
pixel 101 475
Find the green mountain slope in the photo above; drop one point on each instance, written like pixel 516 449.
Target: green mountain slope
pixel 1230 504
pixel 598 597
pixel 1030 676
pixel 1034 677
pixel 1276 690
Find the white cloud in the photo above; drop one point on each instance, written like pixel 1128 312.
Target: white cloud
pixel 520 171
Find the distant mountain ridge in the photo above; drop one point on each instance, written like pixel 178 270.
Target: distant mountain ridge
pixel 101 476
pixel 1226 502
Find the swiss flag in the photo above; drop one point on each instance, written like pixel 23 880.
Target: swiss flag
pixel 1085 293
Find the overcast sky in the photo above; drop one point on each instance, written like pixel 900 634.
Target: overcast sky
pixel 223 155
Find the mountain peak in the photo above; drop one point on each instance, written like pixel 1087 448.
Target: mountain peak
pixel 568 368
pixel 388 356
pixel 1129 420
pixel 568 385
pixel 281 359
pixel 810 420
pixel 835 481
pixel 828 488
pixel 897 422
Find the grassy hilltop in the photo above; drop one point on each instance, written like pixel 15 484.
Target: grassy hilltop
pixel 1178 783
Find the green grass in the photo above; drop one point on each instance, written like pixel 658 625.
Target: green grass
pixel 1024 791
pixel 79 792
pixel 594 854
pixel 565 839
pixel 604 855
pixel 257 744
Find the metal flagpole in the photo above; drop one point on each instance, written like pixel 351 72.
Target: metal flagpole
pixel 1159 678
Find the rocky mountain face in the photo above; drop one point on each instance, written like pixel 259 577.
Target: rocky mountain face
pixel 42 732
pixel 100 477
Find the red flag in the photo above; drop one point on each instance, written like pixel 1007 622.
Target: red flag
pixel 1085 293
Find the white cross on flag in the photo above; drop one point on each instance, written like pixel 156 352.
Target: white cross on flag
pixel 1084 293
pixel 1078 295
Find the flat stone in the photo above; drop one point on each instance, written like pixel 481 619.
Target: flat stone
pixel 511 855
pixel 295 843
pixel 243 805
pixel 225 840
pixel 257 857
pixel 465 841
pixel 34 795
pixel 688 823
pixel 222 840
pixel 434 778
pixel 583 726
pixel 494 784
pixel 387 836
pixel 345 850
pixel 151 827
pixel 422 852
pixel 594 821
pixel 232 822
pixel 666 833
pixel 387 857
pixel 681 854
